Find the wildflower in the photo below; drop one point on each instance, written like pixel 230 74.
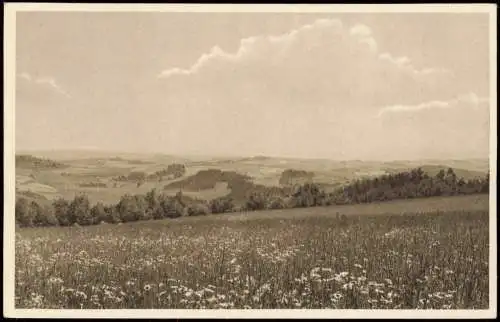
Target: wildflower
pixel 147 288
pixel 55 280
pixel 81 294
pixel 211 299
pixel 386 301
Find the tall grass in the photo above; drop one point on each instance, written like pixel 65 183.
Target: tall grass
pixel 427 260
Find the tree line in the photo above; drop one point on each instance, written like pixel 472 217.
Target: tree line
pixel 154 205
pixel 27 160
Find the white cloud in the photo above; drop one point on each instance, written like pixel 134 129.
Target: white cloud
pixel 45 81
pixel 471 99
pixel 323 82
pixel 25 76
pixel 258 46
pixel 360 30
pixel 364 36
pixel 53 84
pixel 322 63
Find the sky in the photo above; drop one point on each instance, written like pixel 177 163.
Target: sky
pixel 395 86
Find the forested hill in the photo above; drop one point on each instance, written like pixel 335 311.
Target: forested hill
pixel 404 185
pixel 32 162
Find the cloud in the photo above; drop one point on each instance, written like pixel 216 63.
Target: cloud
pixel 321 84
pixel 322 63
pixel 364 36
pixel 53 84
pixel 258 46
pixel 25 76
pixel 44 81
pixel 470 99
pixel 405 64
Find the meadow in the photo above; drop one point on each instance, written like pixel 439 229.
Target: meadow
pixel 423 254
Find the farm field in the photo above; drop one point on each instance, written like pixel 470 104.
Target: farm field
pixel 79 170
pixel 423 253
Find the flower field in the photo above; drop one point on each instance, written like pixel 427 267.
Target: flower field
pixel 386 261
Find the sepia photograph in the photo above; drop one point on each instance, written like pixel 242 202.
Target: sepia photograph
pixel 265 161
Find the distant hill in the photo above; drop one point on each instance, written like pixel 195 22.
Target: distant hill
pixel 33 196
pixel 32 162
pixel 292 176
pixel 240 185
pixel 207 179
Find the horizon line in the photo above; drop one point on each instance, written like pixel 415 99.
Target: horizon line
pixel 245 156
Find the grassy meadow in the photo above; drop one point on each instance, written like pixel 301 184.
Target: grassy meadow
pixel 422 254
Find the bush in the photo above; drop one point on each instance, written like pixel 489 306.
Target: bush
pixel 197 210
pixel 221 205
pixel 277 203
pixel 255 202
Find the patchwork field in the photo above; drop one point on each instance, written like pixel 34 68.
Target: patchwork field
pixel 425 253
pixel 94 173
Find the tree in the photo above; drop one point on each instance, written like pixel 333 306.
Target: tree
pixel 197 209
pixel 42 215
pixel 79 211
pixel 440 175
pixel 256 201
pixel 153 201
pixel 309 195
pixel 132 208
pixel 23 213
pixel 175 170
pixel 61 211
pixel 98 213
pixel 171 207
pixel 112 214
pixel 485 187
pixel 221 205
pixel 277 203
